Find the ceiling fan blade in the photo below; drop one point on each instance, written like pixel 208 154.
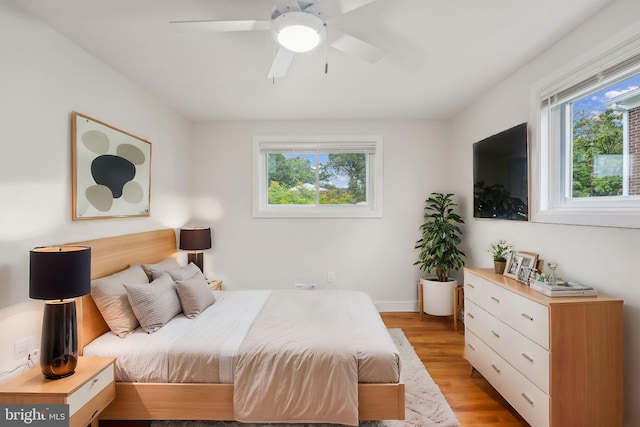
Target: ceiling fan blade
pixel 220 26
pixel 284 6
pixel 354 46
pixel 327 9
pixel 281 63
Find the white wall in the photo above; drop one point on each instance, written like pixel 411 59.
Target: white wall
pixel 375 255
pixel 43 78
pixel 603 257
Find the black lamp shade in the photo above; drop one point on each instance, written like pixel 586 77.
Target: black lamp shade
pixel 58 272
pixel 195 239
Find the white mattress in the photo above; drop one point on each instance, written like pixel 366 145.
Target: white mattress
pixel 205 349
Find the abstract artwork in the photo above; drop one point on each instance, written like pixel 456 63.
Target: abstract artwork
pixel 111 171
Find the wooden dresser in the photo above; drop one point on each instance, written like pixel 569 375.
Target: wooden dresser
pixel 557 361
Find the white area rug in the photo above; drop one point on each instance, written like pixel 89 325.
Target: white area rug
pixel 425 404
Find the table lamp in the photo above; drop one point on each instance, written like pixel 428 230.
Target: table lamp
pixel 195 240
pixel 56 273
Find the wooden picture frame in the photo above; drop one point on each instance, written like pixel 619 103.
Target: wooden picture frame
pixel 111 171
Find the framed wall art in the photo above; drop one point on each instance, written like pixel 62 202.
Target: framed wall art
pixel 111 171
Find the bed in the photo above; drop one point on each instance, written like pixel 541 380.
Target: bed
pixel 161 400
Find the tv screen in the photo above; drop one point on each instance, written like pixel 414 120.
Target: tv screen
pixel 501 175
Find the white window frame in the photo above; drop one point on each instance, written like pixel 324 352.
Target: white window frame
pixel 261 207
pixel 549 152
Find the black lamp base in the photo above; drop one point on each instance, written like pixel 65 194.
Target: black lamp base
pixel 197 258
pixel 59 345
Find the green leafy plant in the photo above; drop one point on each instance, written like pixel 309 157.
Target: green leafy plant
pixel 440 237
pixel 499 250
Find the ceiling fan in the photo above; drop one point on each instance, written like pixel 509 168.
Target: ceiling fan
pixel 297 26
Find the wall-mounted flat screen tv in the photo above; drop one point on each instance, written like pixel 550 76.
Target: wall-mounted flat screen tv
pixel 501 175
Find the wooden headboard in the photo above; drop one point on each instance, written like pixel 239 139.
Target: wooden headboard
pixel 113 254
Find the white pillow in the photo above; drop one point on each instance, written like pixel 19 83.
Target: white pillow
pixel 182 273
pixel 155 303
pixel 111 299
pixel 195 295
pixel 164 265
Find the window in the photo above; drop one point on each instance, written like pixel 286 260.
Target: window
pixel 317 176
pixel 588 128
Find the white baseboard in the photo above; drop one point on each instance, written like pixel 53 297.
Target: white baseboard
pixel 393 306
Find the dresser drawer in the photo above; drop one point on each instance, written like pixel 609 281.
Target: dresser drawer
pixel 526 356
pixel 472 287
pixel 530 402
pixel 528 317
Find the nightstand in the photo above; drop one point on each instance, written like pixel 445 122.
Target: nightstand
pixel 216 285
pixel 87 392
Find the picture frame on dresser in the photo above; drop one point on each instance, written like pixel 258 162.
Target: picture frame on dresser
pixel 513 263
pixel 520 264
pixel 525 274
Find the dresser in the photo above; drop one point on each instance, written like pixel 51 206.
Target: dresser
pixel 557 361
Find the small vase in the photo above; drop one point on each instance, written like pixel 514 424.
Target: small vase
pixel 552 275
pixel 499 266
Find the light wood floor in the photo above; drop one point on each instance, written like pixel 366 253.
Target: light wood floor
pixel 441 349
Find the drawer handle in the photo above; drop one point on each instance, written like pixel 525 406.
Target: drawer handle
pixel 470 315
pixel 471 286
pixel 527 398
pixel 471 347
pixel 526 316
pixel 496 299
pixel 94 414
pixel 526 356
pixel 495 368
pixel 94 381
pixel 495 334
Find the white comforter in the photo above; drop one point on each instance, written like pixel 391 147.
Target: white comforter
pixel 292 355
pixel 200 350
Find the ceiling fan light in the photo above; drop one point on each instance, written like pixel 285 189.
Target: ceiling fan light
pixel 298 38
pixel 298 31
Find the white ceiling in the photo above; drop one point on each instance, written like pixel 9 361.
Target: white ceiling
pixel 441 54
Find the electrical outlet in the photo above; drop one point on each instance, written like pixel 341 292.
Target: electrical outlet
pixel 21 348
pixel 34 356
pixel 331 277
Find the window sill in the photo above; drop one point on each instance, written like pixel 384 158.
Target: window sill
pixel 288 211
pixel 591 217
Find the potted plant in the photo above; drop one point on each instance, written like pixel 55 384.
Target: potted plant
pixel 499 251
pixel 439 253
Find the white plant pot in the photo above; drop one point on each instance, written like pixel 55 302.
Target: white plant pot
pixel 437 297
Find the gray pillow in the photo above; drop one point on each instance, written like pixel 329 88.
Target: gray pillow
pixel 111 299
pixel 164 265
pixel 155 303
pixel 195 295
pixel 182 273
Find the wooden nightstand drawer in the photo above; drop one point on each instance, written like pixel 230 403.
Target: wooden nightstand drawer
pixel 91 399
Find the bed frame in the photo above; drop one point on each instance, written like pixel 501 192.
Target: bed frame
pixel 184 401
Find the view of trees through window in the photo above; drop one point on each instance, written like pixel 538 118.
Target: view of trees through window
pixel 317 178
pixel 599 154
